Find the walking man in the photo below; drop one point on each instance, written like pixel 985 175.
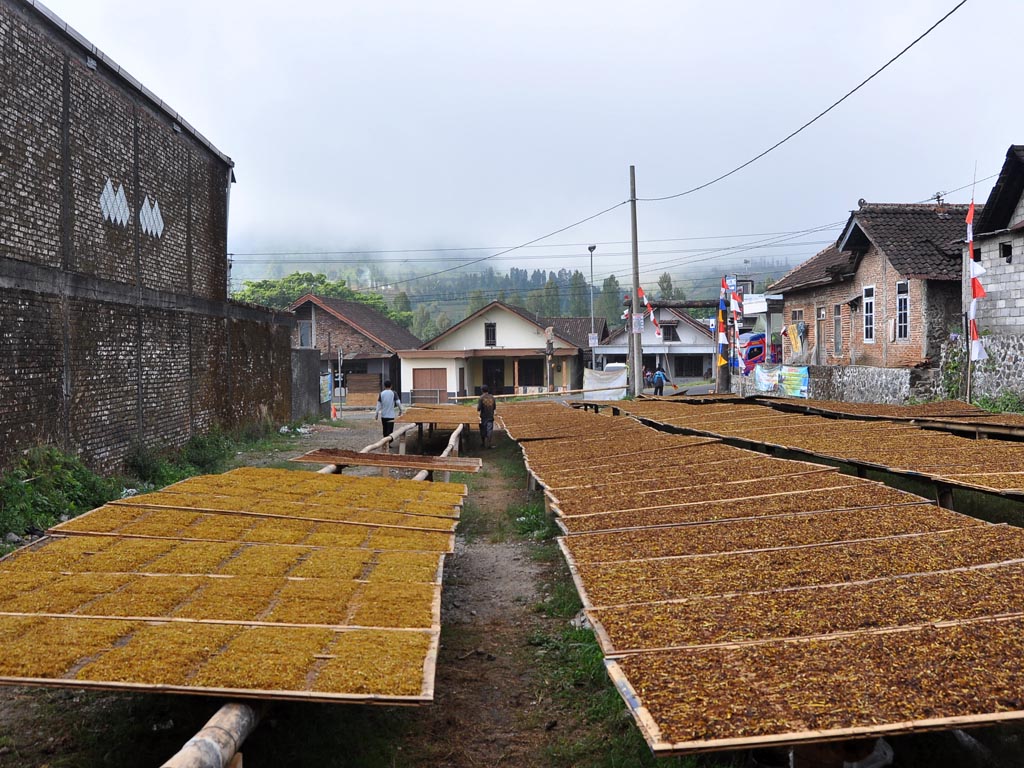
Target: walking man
pixel 659 379
pixel 388 406
pixel 486 406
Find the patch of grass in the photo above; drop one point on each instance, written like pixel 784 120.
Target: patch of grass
pixel 472 522
pixel 46 484
pixel 1007 402
pixel 532 521
pixel 561 601
pixel 573 672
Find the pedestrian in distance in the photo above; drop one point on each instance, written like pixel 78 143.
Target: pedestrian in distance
pixel 388 406
pixel 486 407
pixel 659 380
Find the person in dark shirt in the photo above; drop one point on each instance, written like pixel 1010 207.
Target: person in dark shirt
pixel 486 406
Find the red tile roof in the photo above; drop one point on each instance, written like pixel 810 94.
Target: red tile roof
pixel 368 321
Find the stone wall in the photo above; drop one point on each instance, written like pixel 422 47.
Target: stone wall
pixel 1002 373
pixel 115 328
pixel 849 383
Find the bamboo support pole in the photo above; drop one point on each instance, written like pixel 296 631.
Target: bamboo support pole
pixel 217 744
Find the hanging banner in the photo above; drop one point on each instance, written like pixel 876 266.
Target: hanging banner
pixel 638 323
pixel 793 380
pixel 325 388
pixel 766 377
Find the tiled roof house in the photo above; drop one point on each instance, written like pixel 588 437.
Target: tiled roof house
pixel 886 294
pixel 367 340
pixel 502 346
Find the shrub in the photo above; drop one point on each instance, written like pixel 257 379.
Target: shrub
pixel 46 484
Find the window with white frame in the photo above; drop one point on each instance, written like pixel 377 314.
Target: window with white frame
pixel 869 314
pixel 902 310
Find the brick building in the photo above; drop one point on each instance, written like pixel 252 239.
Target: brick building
pixel 115 328
pixel 886 295
pixel 367 340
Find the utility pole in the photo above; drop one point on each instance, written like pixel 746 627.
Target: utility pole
pixel 635 344
pixel 592 248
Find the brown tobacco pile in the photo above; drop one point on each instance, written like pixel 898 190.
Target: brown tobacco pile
pixel 855 495
pixel 766 532
pixel 859 681
pixel 642 581
pixel 912 600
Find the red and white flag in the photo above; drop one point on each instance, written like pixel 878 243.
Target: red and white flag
pixel 970 230
pixel 977 289
pixel 978 352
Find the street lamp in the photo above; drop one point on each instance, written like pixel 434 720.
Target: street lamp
pixel 592 248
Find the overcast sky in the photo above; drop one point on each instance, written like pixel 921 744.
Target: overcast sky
pixel 411 124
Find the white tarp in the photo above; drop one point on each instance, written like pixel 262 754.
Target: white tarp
pixel 601 380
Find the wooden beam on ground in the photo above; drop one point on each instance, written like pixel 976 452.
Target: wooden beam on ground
pixel 356 458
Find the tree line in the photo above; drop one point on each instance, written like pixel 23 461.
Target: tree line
pixel 430 305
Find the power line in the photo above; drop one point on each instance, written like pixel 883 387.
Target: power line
pixel 469 260
pixel 810 122
pixel 517 247
pixel 500 247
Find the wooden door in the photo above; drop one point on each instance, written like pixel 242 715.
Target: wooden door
pixel 430 385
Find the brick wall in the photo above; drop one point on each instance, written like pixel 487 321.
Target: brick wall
pixel 115 330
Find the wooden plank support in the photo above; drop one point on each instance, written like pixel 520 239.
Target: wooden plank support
pixel 217 744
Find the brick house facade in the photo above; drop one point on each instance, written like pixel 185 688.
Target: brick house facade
pixel 369 341
pixel 115 328
pixel 885 295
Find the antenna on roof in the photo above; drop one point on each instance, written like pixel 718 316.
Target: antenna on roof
pixel 938 197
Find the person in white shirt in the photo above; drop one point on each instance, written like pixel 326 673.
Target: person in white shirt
pixel 388 406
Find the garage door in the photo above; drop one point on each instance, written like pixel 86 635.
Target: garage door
pixel 429 385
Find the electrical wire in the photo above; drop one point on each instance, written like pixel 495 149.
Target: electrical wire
pixel 517 247
pixel 501 247
pixel 810 122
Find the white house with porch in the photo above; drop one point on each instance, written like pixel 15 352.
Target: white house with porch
pixel 685 348
pixel 500 345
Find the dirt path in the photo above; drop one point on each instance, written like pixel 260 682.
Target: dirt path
pixel 486 710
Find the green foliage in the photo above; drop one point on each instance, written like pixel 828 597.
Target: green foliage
pixel 1007 402
pixel 280 292
pixel 609 303
pixel 443 322
pixel 579 296
pixel 533 521
pixel 46 484
pixel 401 302
pixel 953 371
pixel 476 302
pixel 423 324
pixel 665 290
